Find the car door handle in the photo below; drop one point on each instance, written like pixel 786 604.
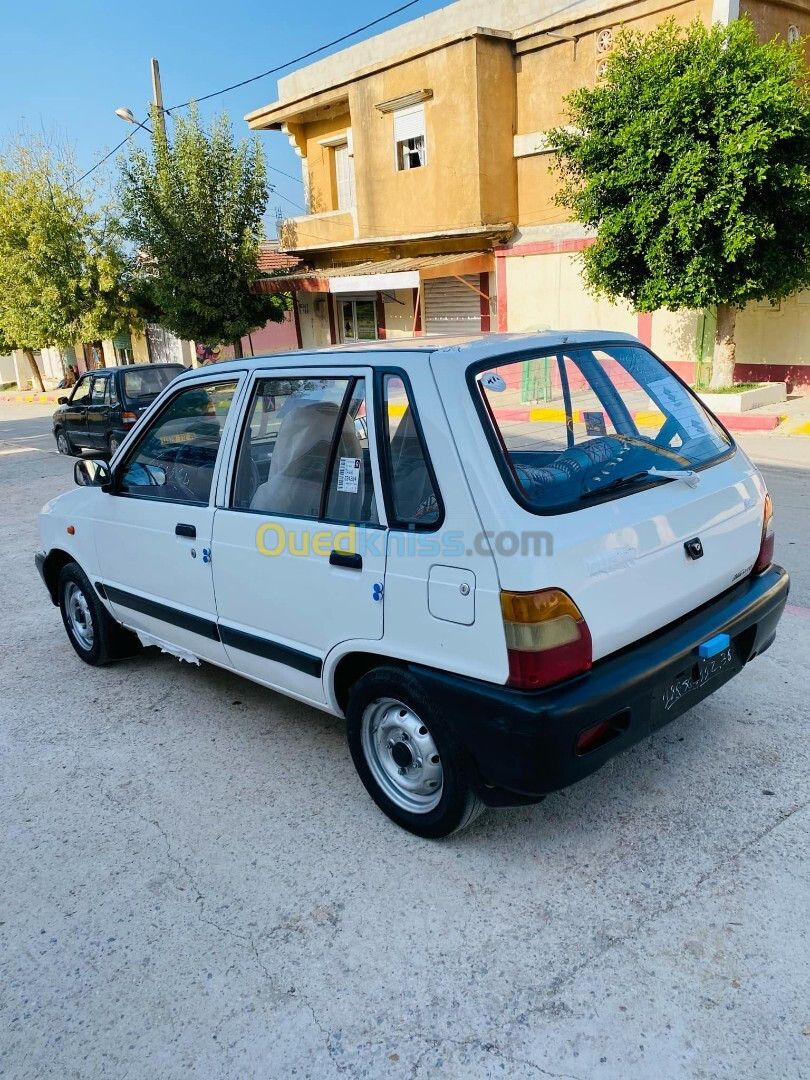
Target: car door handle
pixel 185 530
pixel 344 559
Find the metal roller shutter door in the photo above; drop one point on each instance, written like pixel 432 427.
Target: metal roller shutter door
pixel 451 307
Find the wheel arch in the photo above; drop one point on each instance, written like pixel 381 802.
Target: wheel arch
pixel 55 560
pixel 353 666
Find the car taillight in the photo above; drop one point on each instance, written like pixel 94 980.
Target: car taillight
pixel 128 418
pixel 765 557
pixel 547 639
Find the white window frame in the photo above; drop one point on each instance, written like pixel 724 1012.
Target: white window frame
pixel 409 123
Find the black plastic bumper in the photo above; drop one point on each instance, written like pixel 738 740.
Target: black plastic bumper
pixel 523 742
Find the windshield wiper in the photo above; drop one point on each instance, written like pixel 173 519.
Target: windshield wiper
pixel 687 475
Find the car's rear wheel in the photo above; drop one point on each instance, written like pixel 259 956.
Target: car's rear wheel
pixel 96 637
pixel 113 442
pixel 63 443
pixel 407 756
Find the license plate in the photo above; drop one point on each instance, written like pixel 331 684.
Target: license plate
pixel 703 671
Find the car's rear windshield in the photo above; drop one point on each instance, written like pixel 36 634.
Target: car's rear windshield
pixel 146 383
pixel 584 424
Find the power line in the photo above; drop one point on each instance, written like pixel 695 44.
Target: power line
pixel 298 59
pixel 106 157
pixel 255 78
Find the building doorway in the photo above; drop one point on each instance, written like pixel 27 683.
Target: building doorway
pixel 358 319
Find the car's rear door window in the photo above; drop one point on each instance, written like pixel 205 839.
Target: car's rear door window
pixel 584 424
pixel 304 451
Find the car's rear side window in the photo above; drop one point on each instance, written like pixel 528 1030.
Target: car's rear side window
pixel 582 424
pixel 414 494
pixel 144 384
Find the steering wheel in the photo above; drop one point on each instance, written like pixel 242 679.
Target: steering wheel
pixel 182 474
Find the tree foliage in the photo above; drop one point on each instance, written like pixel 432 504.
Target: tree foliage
pixel 193 212
pixel 692 162
pixel 62 270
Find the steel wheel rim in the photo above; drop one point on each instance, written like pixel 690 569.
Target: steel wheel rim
pixel 402 756
pixel 79 615
pixel 61 442
pixel 114 444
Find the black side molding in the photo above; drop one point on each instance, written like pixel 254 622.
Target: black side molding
pixel 206 628
pixel 272 650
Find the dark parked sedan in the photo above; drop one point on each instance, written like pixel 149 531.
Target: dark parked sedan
pixel 106 403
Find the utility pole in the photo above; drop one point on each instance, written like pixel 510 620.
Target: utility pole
pixel 157 93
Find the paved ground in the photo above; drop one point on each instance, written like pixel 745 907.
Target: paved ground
pixel 193 882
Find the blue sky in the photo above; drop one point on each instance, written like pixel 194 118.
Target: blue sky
pixel 68 66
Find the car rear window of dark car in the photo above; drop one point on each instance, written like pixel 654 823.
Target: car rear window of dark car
pixel 146 383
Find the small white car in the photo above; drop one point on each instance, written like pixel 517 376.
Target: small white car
pixel 502 560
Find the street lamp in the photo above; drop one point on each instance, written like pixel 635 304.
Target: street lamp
pixel 126 114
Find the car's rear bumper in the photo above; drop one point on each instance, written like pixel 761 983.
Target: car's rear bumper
pixel 523 742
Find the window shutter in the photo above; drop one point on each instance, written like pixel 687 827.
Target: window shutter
pixel 409 123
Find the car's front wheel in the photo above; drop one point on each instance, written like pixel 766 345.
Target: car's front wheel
pixel 95 636
pixel 63 444
pixel 407 756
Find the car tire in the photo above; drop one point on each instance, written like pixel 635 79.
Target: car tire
pixel 407 755
pixel 63 443
pixel 96 637
pixel 113 442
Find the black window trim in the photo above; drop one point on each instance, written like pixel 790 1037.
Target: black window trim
pixel 114 487
pixel 384 453
pixel 352 379
pixel 492 433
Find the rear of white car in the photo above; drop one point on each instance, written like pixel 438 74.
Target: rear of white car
pixel 633 544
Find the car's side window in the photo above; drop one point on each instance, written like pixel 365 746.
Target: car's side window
pixel 304 451
pixel 99 389
pixel 112 396
pixel 414 496
pixel 81 395
pixel 174 458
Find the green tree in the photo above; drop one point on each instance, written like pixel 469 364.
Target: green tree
pixel 193 212
pixel 692 162
pixel 62 269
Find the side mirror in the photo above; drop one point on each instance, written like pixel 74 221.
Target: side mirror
pixel 91 472
pixel 62 400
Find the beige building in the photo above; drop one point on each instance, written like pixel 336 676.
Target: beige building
pixel 430 203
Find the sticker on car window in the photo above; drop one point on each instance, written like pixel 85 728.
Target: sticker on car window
pixel 493 381
pixel 349 475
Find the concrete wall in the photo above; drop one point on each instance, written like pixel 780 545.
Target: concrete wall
pixel 452 19
pixel 399 316
pixel 547 71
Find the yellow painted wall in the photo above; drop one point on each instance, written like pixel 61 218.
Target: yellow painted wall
pixel 780 335
pixel 320 161
pixel 546 292
pixel 399 317
pixel 140 349
pixel 771 19
pixel 314 319
pixel 313 230
pixel 545 76
pixel 496 127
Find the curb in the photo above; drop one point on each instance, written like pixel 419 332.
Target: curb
pixel 35 398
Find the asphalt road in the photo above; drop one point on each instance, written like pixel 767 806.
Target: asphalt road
pixel 194 883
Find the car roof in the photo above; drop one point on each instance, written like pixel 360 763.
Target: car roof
pixel 468 348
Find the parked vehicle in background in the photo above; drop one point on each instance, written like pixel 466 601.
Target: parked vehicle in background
pixel 498 595
pixel 106 403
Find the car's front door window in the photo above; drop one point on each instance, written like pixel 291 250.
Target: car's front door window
pixel 175 457
pixel 81 395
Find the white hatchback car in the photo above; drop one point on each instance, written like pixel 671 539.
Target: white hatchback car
pixel 502 560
